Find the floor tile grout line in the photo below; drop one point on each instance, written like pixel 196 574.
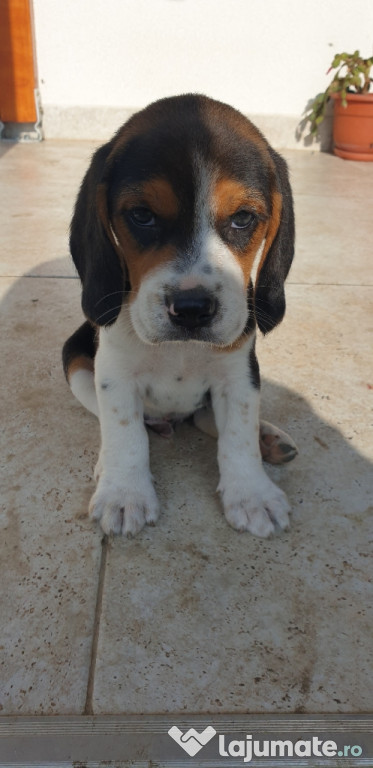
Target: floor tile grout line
pixel 289 282
pixel 88 707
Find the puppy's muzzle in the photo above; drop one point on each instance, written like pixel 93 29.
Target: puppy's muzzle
pixel 191 309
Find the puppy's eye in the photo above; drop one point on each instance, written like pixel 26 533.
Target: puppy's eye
pixel 143 217
pixel 242 219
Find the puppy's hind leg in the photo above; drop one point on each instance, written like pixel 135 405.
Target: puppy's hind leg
pixel 276 446
pixel 78 363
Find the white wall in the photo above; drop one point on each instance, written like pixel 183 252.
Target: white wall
pixel 100 59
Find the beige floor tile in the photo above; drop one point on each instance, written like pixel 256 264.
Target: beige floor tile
pixel 334 241
pixel 315 173
pixel 334 223
pixel 50 553
pixel 42 181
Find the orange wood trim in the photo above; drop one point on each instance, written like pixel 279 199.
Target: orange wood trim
pixel 17 72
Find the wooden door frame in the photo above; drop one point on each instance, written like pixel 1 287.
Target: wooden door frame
pixel 19 103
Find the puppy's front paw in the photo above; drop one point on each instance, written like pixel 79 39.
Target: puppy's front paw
pixel 123 509
pixel 260 510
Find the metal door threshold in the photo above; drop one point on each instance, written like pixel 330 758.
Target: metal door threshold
pixel 208 741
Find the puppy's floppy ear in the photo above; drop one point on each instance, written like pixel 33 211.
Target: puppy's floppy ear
pixel 93 247
pixel 278 251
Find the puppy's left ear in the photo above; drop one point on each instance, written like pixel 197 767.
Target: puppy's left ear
pixel 278 251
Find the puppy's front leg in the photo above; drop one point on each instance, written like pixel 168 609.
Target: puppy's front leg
pixel 125 498
pixel 251 501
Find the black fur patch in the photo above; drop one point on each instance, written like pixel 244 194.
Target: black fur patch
pixel 82 342
pixel 254 367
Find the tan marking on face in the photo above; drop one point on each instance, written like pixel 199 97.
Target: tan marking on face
pixel 80 363
pixel 156 194
pixel 139 262
pixel 159 196
pixel 230 196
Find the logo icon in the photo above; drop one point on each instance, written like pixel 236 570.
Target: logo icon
pixel 192 741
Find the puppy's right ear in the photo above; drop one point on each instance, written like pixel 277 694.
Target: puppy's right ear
pixel 93 247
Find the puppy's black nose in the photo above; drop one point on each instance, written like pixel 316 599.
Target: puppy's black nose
pixel 191 309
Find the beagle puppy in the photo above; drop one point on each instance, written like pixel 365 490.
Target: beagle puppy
pixel 182 235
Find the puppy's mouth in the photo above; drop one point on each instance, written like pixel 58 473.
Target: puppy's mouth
pixel 180 333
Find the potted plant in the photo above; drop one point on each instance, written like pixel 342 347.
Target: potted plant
pixel 353 107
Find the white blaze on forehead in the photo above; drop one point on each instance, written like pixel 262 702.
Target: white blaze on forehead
pixel 205 176
pixel 213 259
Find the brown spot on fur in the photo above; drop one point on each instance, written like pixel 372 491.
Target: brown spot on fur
pixel 156 194
pixel 80 363
pixel 124 422
pixel 230 195
pixel 139 262
pixel 159 196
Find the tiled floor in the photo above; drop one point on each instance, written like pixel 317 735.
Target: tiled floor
pixel 190 616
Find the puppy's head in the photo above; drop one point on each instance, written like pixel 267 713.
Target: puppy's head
pixel 170 217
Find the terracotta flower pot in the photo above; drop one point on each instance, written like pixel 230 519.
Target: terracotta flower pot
pixel 353 127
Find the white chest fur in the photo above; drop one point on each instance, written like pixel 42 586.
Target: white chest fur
pixel 170 379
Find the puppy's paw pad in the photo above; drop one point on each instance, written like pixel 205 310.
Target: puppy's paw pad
pixel 275 445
